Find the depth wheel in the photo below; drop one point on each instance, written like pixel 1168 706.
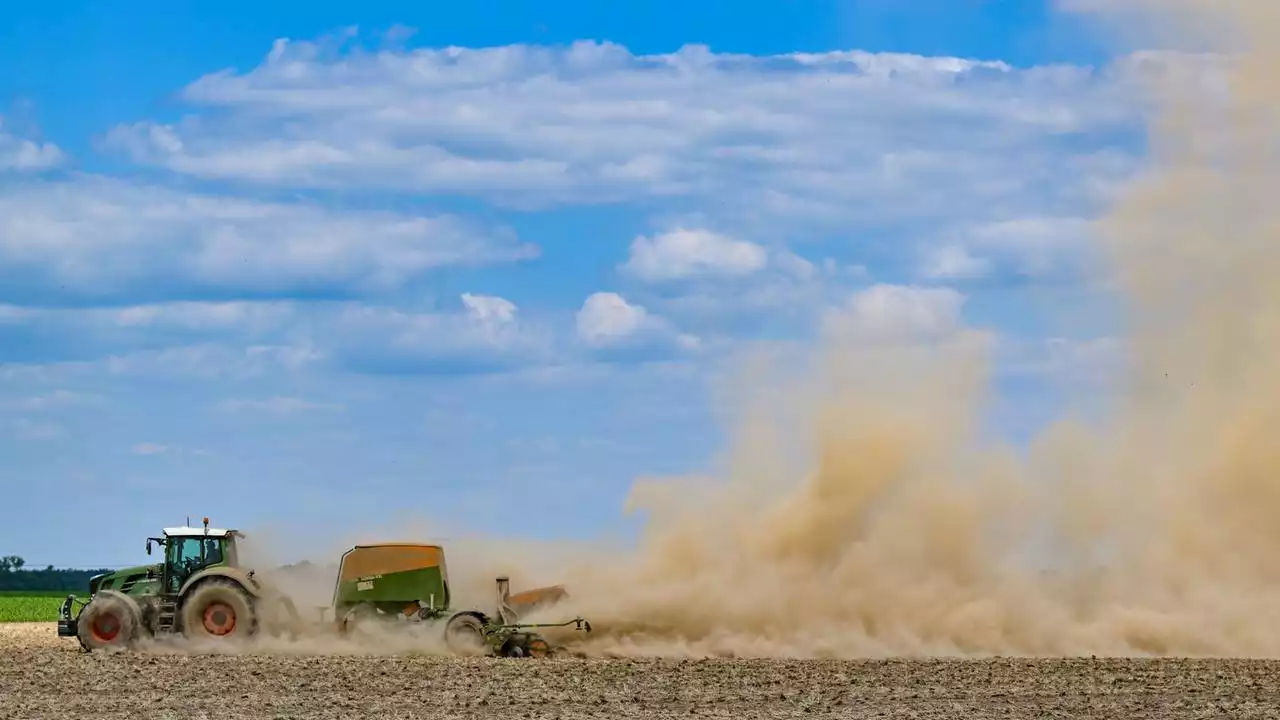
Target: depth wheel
pixel 464 634
pixel 538 648
pixel 522 645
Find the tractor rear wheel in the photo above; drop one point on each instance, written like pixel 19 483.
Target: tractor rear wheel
pixel 217 609
pixel 111 620
pixel 464 634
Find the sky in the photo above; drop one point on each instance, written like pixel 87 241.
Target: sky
pixel 330 265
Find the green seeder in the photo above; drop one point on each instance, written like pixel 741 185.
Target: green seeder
pixel 410 582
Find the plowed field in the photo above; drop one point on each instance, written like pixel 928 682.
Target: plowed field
pixel 44 677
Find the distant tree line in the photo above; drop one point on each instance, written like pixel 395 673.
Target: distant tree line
pixel 15 575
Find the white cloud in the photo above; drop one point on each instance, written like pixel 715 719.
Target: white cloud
pixel 1030 245
pixel 244 316
pixel 18 154
pixel 23 428
pixel 95 237
pixel 241 339
pixel 489 309
pixel 150 448
pixel 681 254
pixel 607 320
pixel 240 315
pixel 196 361
pixel 1036 245
pixel 1072 360
pixel 191 335
pixel 954 262
pixel 487 334
pixel 278 406
pixel 898 312
pixel 50 401
pixel 819 137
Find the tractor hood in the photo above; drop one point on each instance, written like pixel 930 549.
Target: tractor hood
pixel 130 580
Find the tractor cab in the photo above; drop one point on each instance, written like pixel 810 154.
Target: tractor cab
pixel 187 550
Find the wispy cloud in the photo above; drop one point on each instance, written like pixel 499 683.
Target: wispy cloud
pixel 51 401
pixel 278 406
pixel 24 428
pixel 150 448
pixel 155 449
pixel 806 136
pixel 102 239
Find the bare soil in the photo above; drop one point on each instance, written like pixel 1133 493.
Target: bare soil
pixel 42 676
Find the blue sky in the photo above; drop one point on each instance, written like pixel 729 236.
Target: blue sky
pixel 327 264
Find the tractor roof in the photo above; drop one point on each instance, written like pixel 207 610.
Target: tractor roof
pixel 199 532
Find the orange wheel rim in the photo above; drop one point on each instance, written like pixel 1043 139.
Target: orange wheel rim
pixel 105 627
pixel 219 619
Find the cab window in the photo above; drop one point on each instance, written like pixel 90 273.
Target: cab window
pixel 189 554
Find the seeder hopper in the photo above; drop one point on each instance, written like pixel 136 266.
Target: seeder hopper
pixel 409 582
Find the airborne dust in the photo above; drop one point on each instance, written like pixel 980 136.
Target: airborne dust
pixel 1153 531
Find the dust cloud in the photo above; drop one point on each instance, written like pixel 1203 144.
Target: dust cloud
pixel 865 514
pixel 1152 531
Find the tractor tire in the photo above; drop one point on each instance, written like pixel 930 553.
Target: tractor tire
pixel 218 610
pixel 111 621
pixel 464 634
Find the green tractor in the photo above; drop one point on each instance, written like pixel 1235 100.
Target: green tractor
pixel 409 582
pixel 200 590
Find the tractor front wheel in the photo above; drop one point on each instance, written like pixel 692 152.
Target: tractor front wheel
pixel 217 610
pixel 110 621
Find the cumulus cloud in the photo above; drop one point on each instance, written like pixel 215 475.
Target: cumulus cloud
pixel 683 253
pixel 898 312
pixel 19 154
pixel 607 321
pixel 97 238
pixel 606 317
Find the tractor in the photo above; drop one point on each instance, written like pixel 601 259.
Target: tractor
pixel 199 590
pixel 409 582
